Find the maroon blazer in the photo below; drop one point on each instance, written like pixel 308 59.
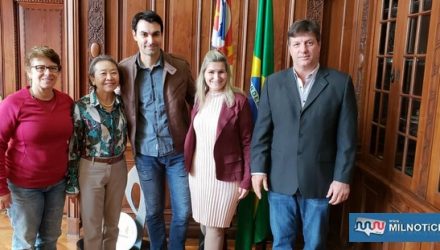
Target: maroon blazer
pixel 232 145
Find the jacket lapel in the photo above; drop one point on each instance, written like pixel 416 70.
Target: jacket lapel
pixel 318 87
pixel 291 90
pixel 226 114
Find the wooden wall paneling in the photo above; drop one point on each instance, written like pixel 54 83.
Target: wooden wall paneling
pixel 315 10
pixel 203 31
pixel 71 46
pixel 41 23
pixel 300 9
pixel 433 193
pixel 113 26
pixel 337 28
pixel 129 9
pixel 359 57
pixel 284 18
pixel 10 78
pixel 162 8
pixel 96 28
pixel 179 29
pixel 1 55
pixel 290 14
pixel 426 182
pixel 83 47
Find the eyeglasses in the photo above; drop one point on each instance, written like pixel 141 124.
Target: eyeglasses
pixel 42 68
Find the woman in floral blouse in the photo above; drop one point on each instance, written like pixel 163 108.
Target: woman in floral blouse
pixel 96 160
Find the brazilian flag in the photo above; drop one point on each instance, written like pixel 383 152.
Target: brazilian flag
pixel 253 214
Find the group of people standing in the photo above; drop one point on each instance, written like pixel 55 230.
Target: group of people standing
pixel 195 136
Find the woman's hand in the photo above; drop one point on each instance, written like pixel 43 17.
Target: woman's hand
pixel 5 201
pixel 243 192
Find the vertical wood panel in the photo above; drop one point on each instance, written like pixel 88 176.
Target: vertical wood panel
pixel 71 47
pixel 129 9
pixel 180 25
pixel 10 77
pixel 41 24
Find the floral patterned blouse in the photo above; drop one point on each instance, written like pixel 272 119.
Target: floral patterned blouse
pixel 97 132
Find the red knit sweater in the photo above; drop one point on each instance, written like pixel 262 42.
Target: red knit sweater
pixel 34 138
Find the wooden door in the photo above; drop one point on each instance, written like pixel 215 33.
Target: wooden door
pixel 397 84
pixel 27 23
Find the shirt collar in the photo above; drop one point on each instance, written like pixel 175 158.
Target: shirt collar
pixel 311 75
pixel 159 62
pixel 94 99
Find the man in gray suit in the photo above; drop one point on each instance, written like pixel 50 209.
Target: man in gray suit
pixel 304 142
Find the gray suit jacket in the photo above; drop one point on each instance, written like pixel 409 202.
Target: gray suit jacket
pixel 308 147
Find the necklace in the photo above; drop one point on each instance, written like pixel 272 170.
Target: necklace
pixel 107 105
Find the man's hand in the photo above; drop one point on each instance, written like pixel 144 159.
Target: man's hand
pixel 257 182
pixel 338 192
pixel 5 201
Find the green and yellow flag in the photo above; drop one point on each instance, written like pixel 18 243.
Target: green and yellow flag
pixel 253 214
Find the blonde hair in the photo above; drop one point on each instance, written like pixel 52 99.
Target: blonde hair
pixel 202 87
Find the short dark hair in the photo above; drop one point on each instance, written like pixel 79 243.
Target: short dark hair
pixel 148 16
pixel 43 51
pixel 305 26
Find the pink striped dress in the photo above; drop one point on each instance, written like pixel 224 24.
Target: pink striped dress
pixel 213 202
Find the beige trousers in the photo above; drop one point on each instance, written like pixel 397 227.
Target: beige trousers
pixel 102 189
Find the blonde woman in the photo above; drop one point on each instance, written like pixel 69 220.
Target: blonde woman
pixel 217 149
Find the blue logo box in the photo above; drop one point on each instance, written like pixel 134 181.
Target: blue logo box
pixel 394 227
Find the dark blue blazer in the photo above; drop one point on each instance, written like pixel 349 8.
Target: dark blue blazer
pixel 308 147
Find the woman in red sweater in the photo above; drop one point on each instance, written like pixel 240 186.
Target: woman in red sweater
pixel 35 128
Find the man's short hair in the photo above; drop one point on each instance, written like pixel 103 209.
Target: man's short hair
pixel 148 16
pixel 305 26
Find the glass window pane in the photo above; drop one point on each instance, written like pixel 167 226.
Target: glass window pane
pixel 379 73
pixel 392 29
pixel 384 113
pixel 403 114
pixel 376 107
pixel 414 120
pixel 383 37
pixel 427 4
pixel 412 34
pixel 385 8
pixel 394 6
pixel 418 79
pixel 398 160
pixel 373 139
pixel 414 6
pixel 410 156
pixel 423 34
pixel 388 68
pixel 381 143
pixel 406 84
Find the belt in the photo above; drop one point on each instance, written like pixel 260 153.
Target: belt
pixel 108 160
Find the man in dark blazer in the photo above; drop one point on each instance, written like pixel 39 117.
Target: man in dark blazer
pixel 304 142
